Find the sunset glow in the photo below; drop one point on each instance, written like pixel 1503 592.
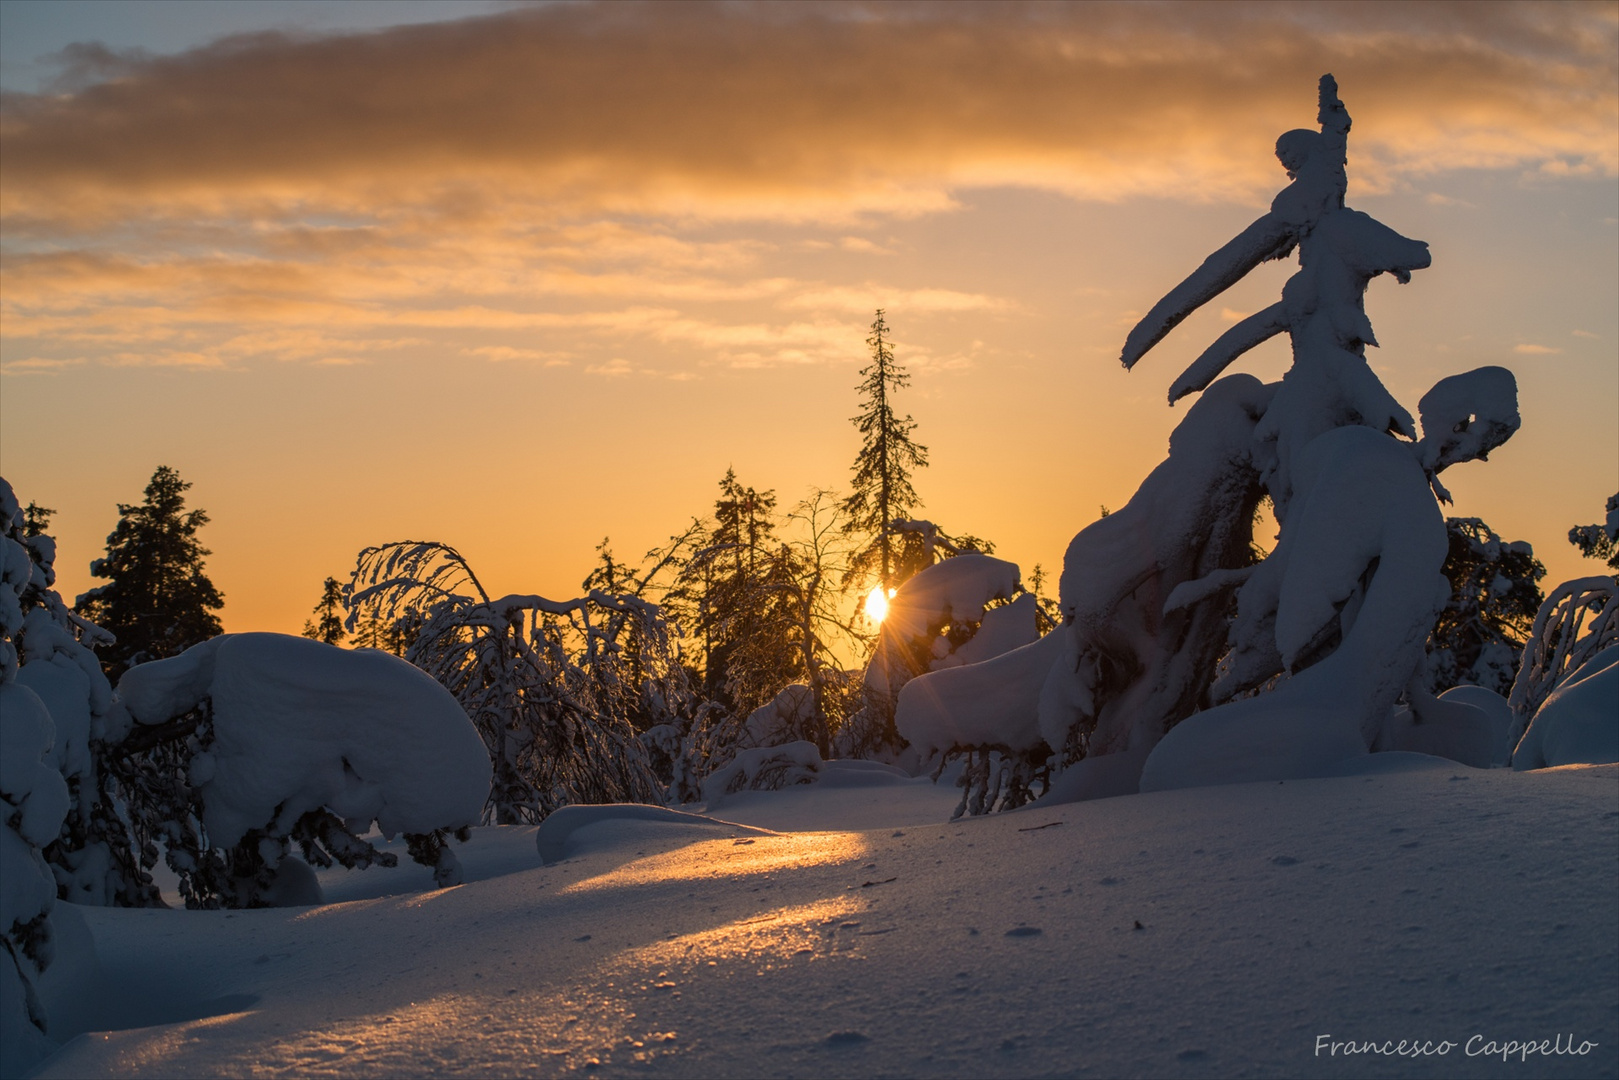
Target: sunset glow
pixel 877 603
pixel 413 282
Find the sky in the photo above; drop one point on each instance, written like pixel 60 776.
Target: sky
pixel 520 277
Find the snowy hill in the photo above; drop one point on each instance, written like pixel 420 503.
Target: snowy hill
pixel 1205 932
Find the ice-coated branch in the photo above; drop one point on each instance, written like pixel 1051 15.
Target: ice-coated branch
pixel 1579 619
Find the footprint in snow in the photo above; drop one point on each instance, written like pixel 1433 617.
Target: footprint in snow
pixel 841 1039
pixel 1024 931
pixel 1285 860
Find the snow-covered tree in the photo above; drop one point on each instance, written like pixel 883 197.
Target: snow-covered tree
pixel 1329 628
pixel 881 490
pixel 1494 595
pixel 961 611
pixel 329 626
pixel 730 598
pixel 247 745
pixel 93 857
pixel 158 601
pixel 554 688
pixel 34 801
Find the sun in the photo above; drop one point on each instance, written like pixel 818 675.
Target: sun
pixel 877 603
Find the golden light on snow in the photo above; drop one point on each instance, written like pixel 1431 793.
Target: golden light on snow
pixel 877 603
pixel 742 856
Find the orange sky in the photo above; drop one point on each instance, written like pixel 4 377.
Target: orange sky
pixel 520 281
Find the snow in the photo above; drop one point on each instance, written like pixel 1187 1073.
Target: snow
pixel 1210 931
pixel 575 828
pixel 996 702
pixel 35 800
pixel 764 767
pixel 782 719
pixel 953 590
pixel 299 724
pixel 1579 721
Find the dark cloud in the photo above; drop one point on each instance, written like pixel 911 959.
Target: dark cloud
pixel 803 110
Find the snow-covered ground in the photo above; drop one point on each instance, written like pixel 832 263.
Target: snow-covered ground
pixel 1205 932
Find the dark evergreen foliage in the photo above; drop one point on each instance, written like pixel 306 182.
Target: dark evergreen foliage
pixel 1494 596
pixel 329 626
pixel 1594 541
pixel 882 490
pixel 158 601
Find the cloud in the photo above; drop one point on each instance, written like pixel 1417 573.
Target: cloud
pixel 546 184
pixel 870 296
pixel 39 365
pixel 613 368
pixel 507 352
pixel 1535 350
pixel 862 246
pixel 804 111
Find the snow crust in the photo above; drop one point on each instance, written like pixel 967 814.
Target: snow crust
pixel 299 724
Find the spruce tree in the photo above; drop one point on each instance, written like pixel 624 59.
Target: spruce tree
pixel 158 602
pixel 882 490
pixel 329 627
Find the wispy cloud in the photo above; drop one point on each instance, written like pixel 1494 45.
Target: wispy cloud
pixel 506 187
pixel 1535 350
pixel 866 297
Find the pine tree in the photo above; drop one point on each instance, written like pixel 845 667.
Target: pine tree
pixel 882 471
pixel 732 586
pixel 158 602
pixel 329 628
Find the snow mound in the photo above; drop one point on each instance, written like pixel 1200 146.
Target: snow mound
pixel 299 724
pixel 855 773
pixel 784 719
pixel 555 840
pixel 993 703
pixel 1579 723
pixel 764 768
pixel 1498 717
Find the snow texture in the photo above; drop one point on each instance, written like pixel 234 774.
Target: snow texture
pixel 1208 932
pixel 299 724
pixel 563 832
pixel 955 590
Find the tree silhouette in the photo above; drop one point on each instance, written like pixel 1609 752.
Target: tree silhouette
pixel 882 490
pixel 329 627
pixel 158 601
